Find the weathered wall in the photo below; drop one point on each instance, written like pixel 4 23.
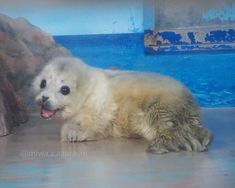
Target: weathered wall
pixel 171 14
pixel 190 25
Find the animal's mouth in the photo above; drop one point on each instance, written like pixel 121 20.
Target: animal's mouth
pixel 47 113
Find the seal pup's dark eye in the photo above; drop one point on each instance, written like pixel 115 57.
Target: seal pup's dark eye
pixel 65 90
pixel 43 84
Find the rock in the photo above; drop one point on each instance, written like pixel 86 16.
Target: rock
pixel 24 49
pixel 12 110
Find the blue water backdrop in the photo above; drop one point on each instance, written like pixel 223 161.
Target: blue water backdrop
pixel 210 76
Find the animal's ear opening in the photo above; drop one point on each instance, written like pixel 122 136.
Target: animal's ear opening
pixel 82 80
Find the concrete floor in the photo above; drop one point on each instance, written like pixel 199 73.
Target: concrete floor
pixel 34 157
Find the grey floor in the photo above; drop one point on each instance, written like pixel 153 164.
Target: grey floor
pixel 34 157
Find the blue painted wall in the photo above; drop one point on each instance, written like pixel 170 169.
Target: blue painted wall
pixel 81 17
pixel 185 22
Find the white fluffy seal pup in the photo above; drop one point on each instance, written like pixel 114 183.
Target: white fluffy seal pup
pixel 93 104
